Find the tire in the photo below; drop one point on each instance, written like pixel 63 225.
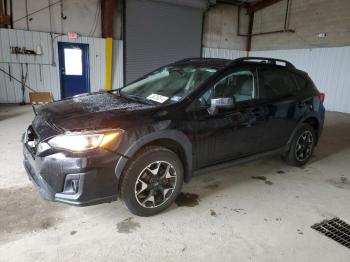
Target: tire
pixel 297 155
pixel 146 175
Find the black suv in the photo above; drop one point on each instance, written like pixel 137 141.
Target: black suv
pixel 142 141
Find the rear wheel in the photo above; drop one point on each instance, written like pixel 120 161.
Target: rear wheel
pixel 152 181
pixel 302 146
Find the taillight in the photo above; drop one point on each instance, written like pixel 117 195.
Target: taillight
pixel 322 96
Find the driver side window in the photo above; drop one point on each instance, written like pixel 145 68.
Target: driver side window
pixel 240 85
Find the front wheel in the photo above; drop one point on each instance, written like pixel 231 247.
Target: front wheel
pixel 152 181
pixel 302 146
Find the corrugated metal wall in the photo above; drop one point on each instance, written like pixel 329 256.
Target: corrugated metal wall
pixel 222 53
pixel 172 32
pixel 42 75
pixel 328 67
pixel 117 74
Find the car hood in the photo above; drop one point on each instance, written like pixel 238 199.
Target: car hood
pixel 91 112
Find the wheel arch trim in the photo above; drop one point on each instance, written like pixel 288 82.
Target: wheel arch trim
pixel 175 135
pixel 302 121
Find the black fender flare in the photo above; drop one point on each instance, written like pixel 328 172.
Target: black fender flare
pixel 175 135
pixel 300 122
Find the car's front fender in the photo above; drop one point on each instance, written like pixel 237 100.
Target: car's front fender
pixel 176 136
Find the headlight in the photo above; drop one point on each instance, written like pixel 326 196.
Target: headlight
pixel 83 141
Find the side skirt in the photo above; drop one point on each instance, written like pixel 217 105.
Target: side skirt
pixel 242 160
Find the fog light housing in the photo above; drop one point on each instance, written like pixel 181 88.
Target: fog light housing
pixel 71 184
pixel 75 186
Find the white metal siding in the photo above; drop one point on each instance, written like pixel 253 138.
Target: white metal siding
pixel 222 53
pixel 328 67
pixel 10 91
pixel 117 71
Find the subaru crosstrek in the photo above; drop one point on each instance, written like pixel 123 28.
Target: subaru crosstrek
pixel 140 142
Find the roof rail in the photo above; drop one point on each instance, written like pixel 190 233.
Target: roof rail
pixel 200 59
pixel 266 60
pixel 188 59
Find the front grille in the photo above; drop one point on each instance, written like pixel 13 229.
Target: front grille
pixel 336 229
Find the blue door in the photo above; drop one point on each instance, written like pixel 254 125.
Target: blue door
pixel 74 68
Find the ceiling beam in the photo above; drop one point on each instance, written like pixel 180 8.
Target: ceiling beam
pixel 107 7
pixel 231 2
pixel 261 5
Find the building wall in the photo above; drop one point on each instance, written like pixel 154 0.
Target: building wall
pixel 328 67
pixel 307 17
pixel 43 74
pixel 220 27
pixel 82 16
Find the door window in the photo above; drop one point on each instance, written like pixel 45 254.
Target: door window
pixel 301 81
pixel 276 83
pixel 73 61
pixel 240 85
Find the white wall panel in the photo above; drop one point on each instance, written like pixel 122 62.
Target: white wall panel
pixel 328 67
pixel 117 71
pixel 222 53
pixel 42 75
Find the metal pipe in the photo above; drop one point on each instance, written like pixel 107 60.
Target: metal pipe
pixel 235 3
pixel 11 14
pixel 50 16
pixel 250 30
pixel 286 16
pixel 53 62
pixel 2 13
pixel 261 5
pixel 5 7
pixel 284 30
pixel 275 32
pixel 26 8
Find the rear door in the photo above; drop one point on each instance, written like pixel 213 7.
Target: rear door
pixel 279 96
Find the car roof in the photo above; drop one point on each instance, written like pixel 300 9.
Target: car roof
pixel 216 63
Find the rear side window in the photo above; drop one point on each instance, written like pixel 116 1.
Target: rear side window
pixel 301 81
pixel 276 82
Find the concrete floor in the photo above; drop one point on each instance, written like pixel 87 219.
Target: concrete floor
pixel 238 218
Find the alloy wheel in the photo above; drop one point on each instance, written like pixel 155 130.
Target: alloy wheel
pixel 155 184
pixel 303 148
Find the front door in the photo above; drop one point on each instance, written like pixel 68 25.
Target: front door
pixel 74 68
pixel 229 133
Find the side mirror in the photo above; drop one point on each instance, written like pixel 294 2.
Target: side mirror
pixel 222 102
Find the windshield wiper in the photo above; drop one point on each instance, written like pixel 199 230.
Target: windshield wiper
pixel 137 98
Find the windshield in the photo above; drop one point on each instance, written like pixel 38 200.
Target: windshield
pixel 169 84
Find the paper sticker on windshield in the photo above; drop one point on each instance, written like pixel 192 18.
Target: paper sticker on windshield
pixel 157 98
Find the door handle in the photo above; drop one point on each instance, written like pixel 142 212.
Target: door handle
pixel 258 111
pixel 301 104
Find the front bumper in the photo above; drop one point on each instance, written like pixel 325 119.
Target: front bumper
pixel 61 177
